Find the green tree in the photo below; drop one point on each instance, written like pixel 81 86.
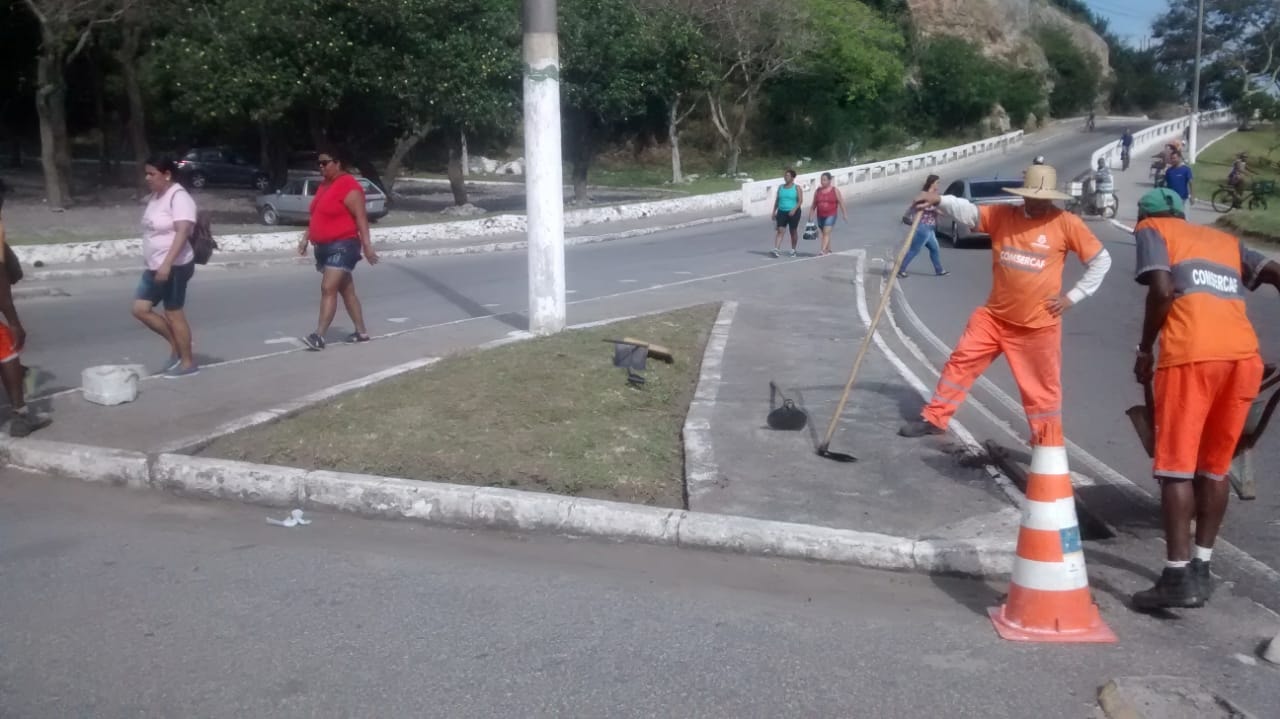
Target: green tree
pixel 608 74
pixel 957 85
pixel 1076 74
pixel 1140 83
pixel 840 98
pixel 464 80
pixel 66 29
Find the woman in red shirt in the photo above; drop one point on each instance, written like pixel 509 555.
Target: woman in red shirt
pixel 339 229
pixel 826 200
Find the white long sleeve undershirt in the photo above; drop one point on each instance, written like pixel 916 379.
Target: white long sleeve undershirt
pixel 1096 269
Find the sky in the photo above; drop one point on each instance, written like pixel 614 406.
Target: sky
pixel 1130 19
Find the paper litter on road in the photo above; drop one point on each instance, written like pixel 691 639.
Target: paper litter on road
pixel 293 520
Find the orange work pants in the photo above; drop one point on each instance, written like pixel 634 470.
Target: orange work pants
pixel 1035 356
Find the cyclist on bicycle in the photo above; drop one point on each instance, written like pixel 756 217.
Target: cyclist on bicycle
pixel 1090 123
pixel 1239 168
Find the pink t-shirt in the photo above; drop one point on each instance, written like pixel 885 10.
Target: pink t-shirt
pixel 158 226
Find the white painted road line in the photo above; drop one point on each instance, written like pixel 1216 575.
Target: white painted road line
pixel 965 436
pixel 284 341
pixel 402 320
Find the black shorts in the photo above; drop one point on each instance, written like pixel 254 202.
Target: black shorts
pixel 172 292
pixel 791 220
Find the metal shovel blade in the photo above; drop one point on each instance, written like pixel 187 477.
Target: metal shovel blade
pixel 1140 417
pixel 823 451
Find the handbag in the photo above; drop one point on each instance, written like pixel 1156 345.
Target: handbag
pixel 811 231
pixel 909 216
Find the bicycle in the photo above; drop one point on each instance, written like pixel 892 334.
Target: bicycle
pixel 1227 197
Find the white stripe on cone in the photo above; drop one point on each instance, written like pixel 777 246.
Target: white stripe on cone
pixel 1049 460
pixel 1050 516
pixel 1063 576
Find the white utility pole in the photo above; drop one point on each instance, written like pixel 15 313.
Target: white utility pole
pixel 543 168
pixel 1193 147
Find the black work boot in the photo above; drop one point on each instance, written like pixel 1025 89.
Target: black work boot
pixel 920 428
pixel 1204 579
pixel 1177 588
pixel 23 424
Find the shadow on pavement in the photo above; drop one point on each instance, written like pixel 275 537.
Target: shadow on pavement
pixel 976 595
pixel 461 301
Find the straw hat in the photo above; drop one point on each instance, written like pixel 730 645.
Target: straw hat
pixel 1040 182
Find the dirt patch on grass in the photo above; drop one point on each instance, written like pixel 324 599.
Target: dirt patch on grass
pixel 551 414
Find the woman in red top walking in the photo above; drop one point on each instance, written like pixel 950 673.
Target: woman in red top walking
pixel 826 200
pixel 339 229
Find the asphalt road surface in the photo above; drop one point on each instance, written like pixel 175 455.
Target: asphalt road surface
pixel 136 604
pixel 240 314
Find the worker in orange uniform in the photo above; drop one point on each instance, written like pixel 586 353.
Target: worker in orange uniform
pixel 1206 377
pixel 1022 318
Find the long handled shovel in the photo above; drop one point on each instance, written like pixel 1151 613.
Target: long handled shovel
pixel 824 448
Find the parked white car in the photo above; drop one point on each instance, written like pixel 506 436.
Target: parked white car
pixel 292 203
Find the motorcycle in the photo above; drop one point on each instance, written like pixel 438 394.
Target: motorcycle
pixel 1092 201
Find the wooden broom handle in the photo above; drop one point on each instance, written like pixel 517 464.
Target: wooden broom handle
pixel 871 330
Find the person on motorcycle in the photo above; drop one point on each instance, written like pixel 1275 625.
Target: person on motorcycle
pixel 1126 147
pixel 1102 179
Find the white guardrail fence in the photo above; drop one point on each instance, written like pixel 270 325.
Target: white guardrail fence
pixel 757 197
pixel 1154 136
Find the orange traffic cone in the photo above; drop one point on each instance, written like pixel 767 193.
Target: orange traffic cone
pixel 1049 599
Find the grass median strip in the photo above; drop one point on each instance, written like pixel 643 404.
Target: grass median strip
pixel 1213 165
pixel 550 414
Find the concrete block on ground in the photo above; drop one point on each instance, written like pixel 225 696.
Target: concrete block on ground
pixel 226 479
pixel 93 464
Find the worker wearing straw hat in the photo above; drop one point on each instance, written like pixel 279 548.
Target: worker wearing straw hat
pixel 1022 318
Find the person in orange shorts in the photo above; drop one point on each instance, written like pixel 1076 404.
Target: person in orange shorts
pixel 1207 374
pixel 12 337
pixel 1022 318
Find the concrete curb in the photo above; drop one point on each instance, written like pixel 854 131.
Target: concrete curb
pixel 700 469
pixel 485 248
pixel 504 509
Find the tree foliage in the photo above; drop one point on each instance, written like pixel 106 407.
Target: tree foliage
pixel 1076 74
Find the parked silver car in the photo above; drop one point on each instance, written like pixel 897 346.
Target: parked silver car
pixel 292 203
pixel 979 191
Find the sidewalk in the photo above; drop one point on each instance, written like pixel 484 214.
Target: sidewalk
pixel 802 331
pixel 583 234
pixel 1133 184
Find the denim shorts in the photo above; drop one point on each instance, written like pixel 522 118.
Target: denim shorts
pixel 337 255
pixel 827 221
pixel 172 292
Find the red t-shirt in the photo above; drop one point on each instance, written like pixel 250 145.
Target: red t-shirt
pixel 330 219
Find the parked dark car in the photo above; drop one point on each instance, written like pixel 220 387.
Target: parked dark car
pixel 979 191
pixel 204 166
pixel 292 203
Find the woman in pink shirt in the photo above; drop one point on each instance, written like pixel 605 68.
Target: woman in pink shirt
pixel 170 263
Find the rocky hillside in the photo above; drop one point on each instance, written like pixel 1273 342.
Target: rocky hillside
pixel 1005 29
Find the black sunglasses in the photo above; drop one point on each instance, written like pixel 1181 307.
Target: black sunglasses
pixel 324 163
